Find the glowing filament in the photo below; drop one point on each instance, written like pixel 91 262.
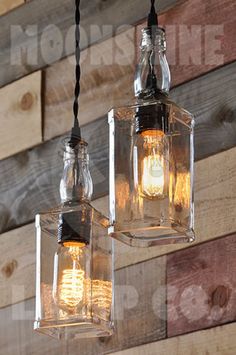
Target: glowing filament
pixel 153 164
pixel 153 175
pixel 72 287
pixel 72 279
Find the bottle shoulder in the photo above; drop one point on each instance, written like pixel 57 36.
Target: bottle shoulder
pixel 130 108
pixel 83 207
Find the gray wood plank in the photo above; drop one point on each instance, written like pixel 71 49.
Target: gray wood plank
pixel 46 43
pixel 136 321
pixel 30 180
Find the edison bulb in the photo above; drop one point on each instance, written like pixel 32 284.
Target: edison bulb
pixel 153 161
pixel 69 276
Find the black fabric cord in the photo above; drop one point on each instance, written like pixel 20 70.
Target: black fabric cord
pixel 152 17
pixel 75 132
pixel 152 24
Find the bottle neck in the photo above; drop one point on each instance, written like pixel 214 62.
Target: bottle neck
pixel 76 182
pixel 152 76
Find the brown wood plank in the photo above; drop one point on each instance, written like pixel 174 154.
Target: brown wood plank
pixel 215 341
pixel 52 37
pixel 7 5
pixel 215 210
pixel 108 67
pixel 20 115
pixel 136 323
pixel 201 286
pixel 40 169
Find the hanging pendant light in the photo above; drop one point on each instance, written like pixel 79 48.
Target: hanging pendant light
pixel 74 267
pixel 151 155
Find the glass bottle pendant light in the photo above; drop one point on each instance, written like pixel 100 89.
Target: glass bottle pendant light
pixel 74 266
pixel 151 155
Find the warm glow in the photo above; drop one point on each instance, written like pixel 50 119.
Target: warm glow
pixel 72 280
pixel 74 288
pixel 102 294
pixel 153 176
pixel 182 191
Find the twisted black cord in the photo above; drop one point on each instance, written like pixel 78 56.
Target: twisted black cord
pixel 75 132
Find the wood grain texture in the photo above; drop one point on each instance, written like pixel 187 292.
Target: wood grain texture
pixel 211 98
pixel 215 341
pixel 134 285
pixel 108 67
pixel 31 179
pixel 7 5
pixel 201 286
pixel 199 37
pixel 51 38
pixel 20 115
pixel 215 210
pixel 107 74
pixel 17 265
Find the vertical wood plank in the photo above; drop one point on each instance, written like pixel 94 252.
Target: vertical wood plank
pixel 20 115
pixel 201 286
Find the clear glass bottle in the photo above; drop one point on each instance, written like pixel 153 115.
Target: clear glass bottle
pixel 151 157
pixel 74 269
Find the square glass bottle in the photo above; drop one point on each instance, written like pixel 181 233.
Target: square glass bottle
pixel 74 268
pixel 151 157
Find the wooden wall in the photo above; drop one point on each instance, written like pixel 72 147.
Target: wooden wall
pixel 186 301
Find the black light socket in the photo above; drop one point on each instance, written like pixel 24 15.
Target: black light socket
pixel 152 117
pixel 74 227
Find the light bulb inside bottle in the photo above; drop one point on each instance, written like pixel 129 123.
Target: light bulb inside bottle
pixel 69 276
pixel 153 164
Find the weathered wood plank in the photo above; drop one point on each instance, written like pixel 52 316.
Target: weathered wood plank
pixel 20 115
pixel 215 210
pixel 7 5
pixel 211 98
pixel 215 341
pixel 17 265
pixel 41 168
pixel 199 37
pixel 201 286
pixel 50 37
pixel 108 67
pixel 107 74
pixel 134 285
